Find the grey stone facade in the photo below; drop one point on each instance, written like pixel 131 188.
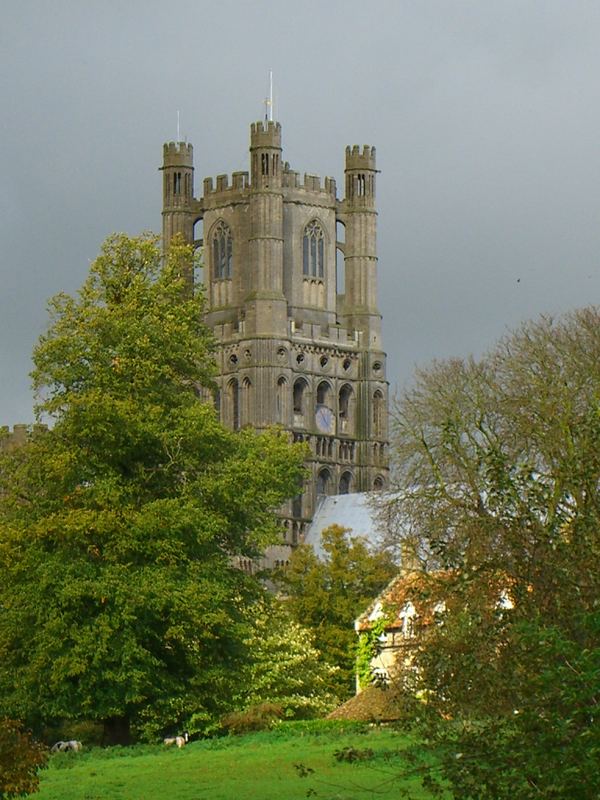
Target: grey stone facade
pixel 292 349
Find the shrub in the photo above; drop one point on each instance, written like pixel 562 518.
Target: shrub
pixel 20 760
pixel 260 717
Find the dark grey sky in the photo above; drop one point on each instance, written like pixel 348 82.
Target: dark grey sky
pixel 485 115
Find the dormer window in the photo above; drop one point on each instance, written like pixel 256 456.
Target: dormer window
pixel 222 251
pixel 313 260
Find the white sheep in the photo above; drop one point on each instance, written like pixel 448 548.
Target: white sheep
pixel 64 747
pixel 180 741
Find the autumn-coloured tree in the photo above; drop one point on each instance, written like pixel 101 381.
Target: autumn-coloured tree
pixel 21 758
pixel 498 465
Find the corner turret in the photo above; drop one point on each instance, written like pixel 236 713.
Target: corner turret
pixel 178 191
pixel 360 174
pixel 359 215
pixel 265 154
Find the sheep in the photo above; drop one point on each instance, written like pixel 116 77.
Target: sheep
pixel 180 741
pixel 64 747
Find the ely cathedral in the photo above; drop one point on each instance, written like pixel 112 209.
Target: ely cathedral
pixel 292 350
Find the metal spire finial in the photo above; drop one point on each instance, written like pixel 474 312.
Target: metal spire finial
pixel 269 100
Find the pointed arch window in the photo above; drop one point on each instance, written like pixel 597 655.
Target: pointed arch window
pixel 313 253
pixel 233 404
pixel 324 482
pixel 300 392
pixel 280 398
pixel 345 483
pixel 222 251
pixel 346 404
pixel 246 402
pixel 378 414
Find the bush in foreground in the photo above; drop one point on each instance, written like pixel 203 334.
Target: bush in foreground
pixel 21 758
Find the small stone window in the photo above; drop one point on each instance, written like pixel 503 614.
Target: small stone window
pixel 313 253
pixel 222 251
pixel 233 404
pixel 299 400
pixel 378 414
pixel 324 482
pixel 246 401
pixel 345 483
pixel 280 397
pixel 346 403
pixel 324 394
pixel 297 506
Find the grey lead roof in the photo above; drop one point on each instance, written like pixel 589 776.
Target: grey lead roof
pixel 356 511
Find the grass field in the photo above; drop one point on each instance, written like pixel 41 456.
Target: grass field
pixel 258 766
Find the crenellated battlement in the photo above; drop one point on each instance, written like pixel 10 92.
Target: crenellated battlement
pixel 357 158
pixel 312 183
pixel 240 181
pixel 18 435
pixel 265 134
pixel 178 154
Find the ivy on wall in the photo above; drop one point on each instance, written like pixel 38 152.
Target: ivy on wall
pixel 367 648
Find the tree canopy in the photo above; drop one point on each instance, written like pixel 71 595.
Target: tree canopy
pixel 118 524
pixel 327 595
pixel 498 464
pixel 285 668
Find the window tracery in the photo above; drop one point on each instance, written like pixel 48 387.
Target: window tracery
pixel 222 251
pixel 313 252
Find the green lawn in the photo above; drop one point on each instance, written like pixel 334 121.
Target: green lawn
pixel 254 767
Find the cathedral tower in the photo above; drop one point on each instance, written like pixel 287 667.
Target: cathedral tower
pixel 291 350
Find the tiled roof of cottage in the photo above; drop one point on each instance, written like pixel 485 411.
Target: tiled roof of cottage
pixel 427 593
pixel 422 589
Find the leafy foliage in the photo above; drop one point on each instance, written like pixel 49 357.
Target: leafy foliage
pixel 499 464
pixel 285 668
pixel 327 595
pixel 118 525
pixel 20 761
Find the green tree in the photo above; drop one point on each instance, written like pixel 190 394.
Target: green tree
pixel 285 668
pixel 119 599
pixel 20 761
pixel 327 595
pixel 499 469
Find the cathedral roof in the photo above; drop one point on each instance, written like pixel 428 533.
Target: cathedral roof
pixel 358 511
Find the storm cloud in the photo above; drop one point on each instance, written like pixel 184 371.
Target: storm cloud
pixel 485 116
